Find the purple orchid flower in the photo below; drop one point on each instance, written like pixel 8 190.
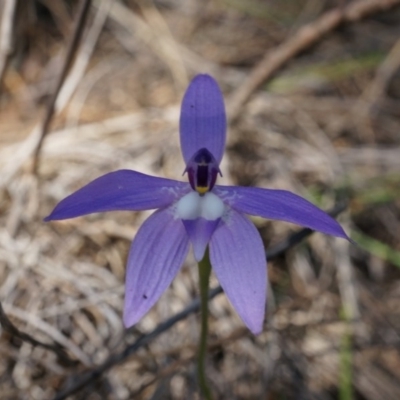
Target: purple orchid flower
pixel 199 213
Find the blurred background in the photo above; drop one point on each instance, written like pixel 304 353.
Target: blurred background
pixel 313 95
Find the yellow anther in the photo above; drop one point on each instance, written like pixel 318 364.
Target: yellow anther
pixel 202 189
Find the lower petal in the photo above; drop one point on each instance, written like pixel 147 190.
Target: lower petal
pixel 156 255
pixel 238 260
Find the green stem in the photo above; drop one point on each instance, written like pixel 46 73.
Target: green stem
pixel 204 277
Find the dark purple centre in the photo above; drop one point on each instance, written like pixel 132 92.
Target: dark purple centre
pixel 202 170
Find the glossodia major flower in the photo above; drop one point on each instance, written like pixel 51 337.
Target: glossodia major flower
pixel 197 212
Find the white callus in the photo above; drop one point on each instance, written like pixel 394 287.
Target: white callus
pixel 193 206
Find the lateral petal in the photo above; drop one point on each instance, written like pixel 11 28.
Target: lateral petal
pixel 203 118
pixel 238 259
pixel 279 205
pixel 120 190
pixel 156 255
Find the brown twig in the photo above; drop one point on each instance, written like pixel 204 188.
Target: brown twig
pixel 9 327
pixel 375 92
pixel 384 74
pixel 305 37
pixel 6 35
pixel 80 23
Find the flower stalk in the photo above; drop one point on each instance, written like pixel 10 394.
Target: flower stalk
pixel 204 278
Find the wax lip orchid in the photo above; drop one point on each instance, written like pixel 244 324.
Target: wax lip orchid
pixel 199 213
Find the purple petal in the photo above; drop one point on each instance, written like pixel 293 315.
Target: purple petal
pixel 238 260
pixel 157 253
pixel 203 119
pixel 200 231
pixel 120 190
pixel 280 205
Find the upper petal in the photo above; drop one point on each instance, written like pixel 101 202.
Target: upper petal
pixel 120 190
pixel 280 205
pixel 203 119
pixel 238 259
pixel 157 252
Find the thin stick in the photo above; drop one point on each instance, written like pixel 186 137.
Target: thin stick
pixel 375 91
pixel 91 376
pixel 301 40
pixel 6 35
pixel 80 23
pixel 84 55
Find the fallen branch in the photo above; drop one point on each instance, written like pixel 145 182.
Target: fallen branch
pixel 301 40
